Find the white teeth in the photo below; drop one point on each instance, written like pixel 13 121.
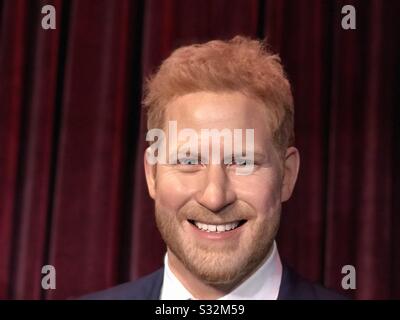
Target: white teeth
pixel 202 226
pixel 216 228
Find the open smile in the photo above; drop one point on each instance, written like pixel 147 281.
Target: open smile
pixel 218 228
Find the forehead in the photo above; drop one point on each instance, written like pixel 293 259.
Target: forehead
pixel 208 110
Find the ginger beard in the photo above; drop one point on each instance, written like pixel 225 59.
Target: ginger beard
pixel 225 263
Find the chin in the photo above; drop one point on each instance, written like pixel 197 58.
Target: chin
pixel 217 274
pixel 218 268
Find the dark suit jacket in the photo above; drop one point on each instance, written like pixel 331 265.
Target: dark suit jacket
pixel 293 287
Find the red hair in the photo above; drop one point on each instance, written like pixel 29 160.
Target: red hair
pixel 240 64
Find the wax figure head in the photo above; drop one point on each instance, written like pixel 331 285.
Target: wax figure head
pixel 218 225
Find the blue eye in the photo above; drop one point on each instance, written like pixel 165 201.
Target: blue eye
pixel 188 161
pixel 239 162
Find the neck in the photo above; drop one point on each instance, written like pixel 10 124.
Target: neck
pixel 198 288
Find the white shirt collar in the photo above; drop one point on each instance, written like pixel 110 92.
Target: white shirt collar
pixel 263 284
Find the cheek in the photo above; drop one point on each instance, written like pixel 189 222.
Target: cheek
pixel 262 191
pixel 173 191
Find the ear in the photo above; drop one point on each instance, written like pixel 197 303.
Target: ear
pixel 150 171
pixel 290 172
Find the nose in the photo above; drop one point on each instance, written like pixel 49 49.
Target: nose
pixel 217 192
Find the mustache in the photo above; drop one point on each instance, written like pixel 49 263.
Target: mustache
pixel 228 214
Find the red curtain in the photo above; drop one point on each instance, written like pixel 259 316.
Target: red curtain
pixel 72 189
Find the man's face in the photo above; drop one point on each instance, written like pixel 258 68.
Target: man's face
pixel 218 224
